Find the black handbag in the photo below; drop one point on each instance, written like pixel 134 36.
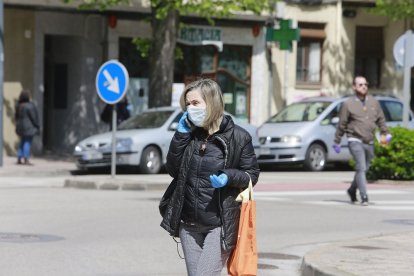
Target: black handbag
pixel 166 198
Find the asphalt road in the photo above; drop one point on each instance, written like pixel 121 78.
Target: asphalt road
pixel 50 230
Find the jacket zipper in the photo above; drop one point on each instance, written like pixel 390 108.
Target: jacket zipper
pixel 223 234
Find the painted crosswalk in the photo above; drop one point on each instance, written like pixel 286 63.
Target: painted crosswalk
pixel 339 198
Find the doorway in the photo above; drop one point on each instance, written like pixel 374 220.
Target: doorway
pixel 62 74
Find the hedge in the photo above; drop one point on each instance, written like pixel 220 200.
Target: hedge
pixel 396 160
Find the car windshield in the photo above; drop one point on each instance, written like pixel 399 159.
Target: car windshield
pixel 300 112
pixel 152 119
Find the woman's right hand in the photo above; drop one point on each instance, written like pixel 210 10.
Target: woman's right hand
pixel 183 127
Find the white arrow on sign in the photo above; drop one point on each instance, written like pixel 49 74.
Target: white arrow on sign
pixel 113 84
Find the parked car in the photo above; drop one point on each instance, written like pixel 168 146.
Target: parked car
pixel 304 131
pixel 142 140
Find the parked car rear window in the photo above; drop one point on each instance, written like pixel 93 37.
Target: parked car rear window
pixel 151 119
pixel 393 111
pixel 300 112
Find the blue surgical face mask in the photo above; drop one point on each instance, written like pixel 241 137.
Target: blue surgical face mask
pixel 197 115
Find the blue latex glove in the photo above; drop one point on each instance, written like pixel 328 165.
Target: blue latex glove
pixel 337 148
pixel 183 127
pixel 219 181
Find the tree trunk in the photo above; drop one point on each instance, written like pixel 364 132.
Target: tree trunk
pixel 161 58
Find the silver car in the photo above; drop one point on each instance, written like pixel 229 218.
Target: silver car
pixel 142 140
pixel 304 131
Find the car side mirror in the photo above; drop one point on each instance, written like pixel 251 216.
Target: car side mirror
pixel 335 120
pixel 173 126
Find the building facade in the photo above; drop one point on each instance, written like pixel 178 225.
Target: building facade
pixel 55 50
pixel 338 40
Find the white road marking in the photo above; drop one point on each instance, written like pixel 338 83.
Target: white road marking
pixel 392 208
pixel 391 205
pixel 322 192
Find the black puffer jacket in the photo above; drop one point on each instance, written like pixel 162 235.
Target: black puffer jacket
pixel 193 190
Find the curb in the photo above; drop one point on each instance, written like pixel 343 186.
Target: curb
pixel 114 184
pixel 309 266
pixel 390 253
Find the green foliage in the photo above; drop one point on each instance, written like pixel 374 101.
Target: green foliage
pixel 396 160
pixel 209 8
pixel 203 8
pixel 143 46
pixel 395 9
pixel 96 4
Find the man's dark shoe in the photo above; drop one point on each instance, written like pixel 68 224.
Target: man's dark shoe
pixel 364 201
pixel 352 196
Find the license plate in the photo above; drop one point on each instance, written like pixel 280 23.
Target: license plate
pixel 92 155
pixel 265 151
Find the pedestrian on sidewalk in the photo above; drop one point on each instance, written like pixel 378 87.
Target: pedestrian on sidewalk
pixel 27 126
pixel 358 118
pixel 211 159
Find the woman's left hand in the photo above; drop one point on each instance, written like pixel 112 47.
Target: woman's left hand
pixel 219 181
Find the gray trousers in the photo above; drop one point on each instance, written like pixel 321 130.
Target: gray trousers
pixel 362 154
pixel 202 250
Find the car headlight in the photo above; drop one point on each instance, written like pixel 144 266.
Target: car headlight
pixel 290 139
pixel 123 143
pixel 78 149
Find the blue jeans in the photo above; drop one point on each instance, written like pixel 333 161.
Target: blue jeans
pixel 362 154
pixel 24 147
pixel 203 253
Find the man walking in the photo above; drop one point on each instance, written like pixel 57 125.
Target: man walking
pixel 358 118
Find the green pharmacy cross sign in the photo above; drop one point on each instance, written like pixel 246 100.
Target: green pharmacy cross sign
pixel 284 35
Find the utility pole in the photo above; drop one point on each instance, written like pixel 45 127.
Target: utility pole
pixel 1 79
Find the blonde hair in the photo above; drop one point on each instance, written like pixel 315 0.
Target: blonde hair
pixel 211 93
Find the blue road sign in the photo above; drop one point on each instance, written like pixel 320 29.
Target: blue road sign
pixel 112 81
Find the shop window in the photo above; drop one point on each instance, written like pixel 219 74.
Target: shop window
pixel 137 66
pixel 231 68
pixel 233 76
pixel 197 61
pixel 131 58
pixel 309 54
pixel 369 53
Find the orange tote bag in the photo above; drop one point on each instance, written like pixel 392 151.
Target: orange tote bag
pixel 243 259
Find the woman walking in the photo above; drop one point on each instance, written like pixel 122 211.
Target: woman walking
pixel 211 160
pixel 27 126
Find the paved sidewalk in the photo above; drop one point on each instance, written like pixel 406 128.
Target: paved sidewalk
pixel 374 256
pixel 52 166
pixel 47 166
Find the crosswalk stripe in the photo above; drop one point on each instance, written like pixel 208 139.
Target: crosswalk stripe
pixel 392 208
pixel 390 205
pixel 269 198
pixel 394 202
pixel 324 192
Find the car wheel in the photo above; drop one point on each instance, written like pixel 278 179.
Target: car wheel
pixel 315 159
pixel 150 161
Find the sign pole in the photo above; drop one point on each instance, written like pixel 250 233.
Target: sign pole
pixel 113 154
pixel 111 83
pixel 1 80
pixel 408 52
pixel 286 78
